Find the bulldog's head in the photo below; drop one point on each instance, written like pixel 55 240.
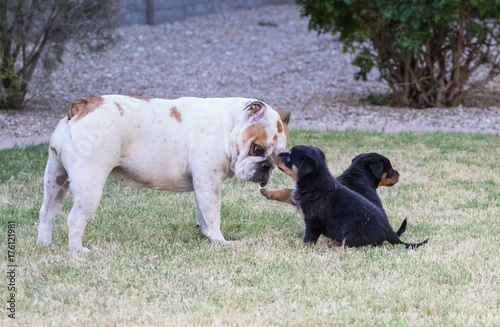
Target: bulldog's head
pixel 263 135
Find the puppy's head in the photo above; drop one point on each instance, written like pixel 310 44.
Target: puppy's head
pixel 301 161
pixel 378 167
pixel 263 135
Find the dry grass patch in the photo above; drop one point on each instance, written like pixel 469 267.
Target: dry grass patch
pixel 150 265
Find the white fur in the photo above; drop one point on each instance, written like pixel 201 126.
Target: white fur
pixel 194 148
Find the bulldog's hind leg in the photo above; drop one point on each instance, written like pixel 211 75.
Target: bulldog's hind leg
pixel 87 191
pixel 199 215
pixel 54 189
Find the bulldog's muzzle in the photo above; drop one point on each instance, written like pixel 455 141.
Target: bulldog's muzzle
pixel 262 172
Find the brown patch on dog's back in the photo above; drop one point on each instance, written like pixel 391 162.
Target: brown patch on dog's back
pixel 174 113
pixel 256 132
pixel 140 98
pixel 275 138
pixel 82 107
pixel 120 109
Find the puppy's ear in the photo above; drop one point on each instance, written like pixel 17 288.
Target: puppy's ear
pixel 377 168
pixel 307 166
pixel 255 110
pixel 322 154
pixel 356 157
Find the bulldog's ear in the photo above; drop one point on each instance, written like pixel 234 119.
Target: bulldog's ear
pixel 377 169
pixel 255 110
pixel 307 166
pixel 284 115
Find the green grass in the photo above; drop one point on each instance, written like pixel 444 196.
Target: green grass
pixel 150 265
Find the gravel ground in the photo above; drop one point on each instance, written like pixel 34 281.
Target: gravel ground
pixel 266 53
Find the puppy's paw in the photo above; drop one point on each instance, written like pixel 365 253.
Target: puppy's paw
pixel 266 193
pixel 284 195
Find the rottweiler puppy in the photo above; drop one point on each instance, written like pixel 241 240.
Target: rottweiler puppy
pixel 366 172
pixel 332 209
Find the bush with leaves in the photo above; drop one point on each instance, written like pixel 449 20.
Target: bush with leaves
pixel 38 30
pixel 426 50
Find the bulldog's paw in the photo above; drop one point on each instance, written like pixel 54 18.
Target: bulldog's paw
pixel 213 235
pixel 81 250
pixel 43 243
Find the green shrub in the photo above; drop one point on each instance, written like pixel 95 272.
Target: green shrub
pixel 426 50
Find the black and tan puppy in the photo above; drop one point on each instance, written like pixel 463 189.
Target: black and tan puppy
pixel 366 172
pixel 330 208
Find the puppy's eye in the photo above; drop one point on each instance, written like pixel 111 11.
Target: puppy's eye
pixel 257 150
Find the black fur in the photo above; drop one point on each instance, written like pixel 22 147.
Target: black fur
pixel 364 175
pixel 332 209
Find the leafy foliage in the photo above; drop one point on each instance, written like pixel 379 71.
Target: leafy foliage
pixel 426 50
pixel 34 30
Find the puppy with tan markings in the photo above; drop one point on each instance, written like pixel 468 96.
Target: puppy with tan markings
pixel 366 173
pixel 188 144
pixel 330 208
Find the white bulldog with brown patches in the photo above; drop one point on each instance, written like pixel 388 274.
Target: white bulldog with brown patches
pixel 187 144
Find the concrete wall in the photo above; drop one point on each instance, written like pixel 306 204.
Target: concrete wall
pixel 161 11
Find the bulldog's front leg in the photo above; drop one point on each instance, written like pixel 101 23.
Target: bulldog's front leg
pixel 208 201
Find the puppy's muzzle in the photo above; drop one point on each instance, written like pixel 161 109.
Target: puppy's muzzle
pixel 389 180
pixel 279 160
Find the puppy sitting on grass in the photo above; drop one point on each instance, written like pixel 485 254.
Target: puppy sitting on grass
pixel 330 208
pixel 366 172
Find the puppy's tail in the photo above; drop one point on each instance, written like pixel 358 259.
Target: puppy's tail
pixel 394 239
pixel 402 229
pixel 414 245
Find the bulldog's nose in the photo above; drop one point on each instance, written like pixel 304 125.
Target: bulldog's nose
pixel 265 165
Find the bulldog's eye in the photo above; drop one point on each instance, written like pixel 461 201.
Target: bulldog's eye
pixel 257 150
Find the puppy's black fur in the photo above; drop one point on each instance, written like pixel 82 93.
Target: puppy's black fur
pixel 330 208
pixel 367 172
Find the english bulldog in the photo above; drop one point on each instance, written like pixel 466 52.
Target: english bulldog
pixel 187 144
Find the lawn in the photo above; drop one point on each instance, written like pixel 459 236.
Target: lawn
pixel 150 265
